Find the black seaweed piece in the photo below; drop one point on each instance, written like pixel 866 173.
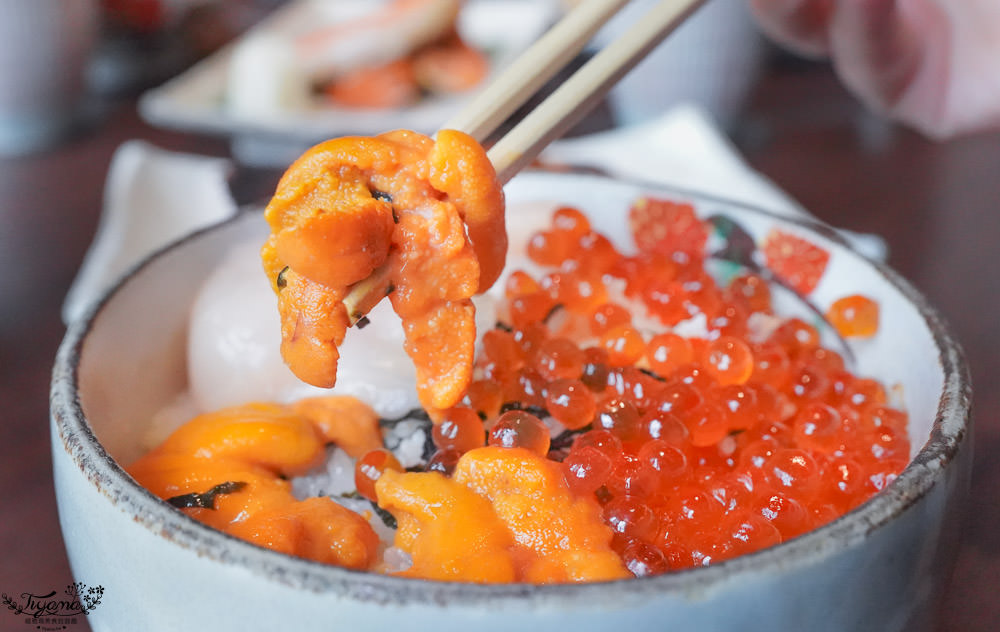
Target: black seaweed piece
pixel 362 322
pixel 381 195
pixel 503 327
pixel 387 518
pixel 205 500
pixel 281 282
pixel 565 438
pixel 416 413
pixel 552 312
pixel 429 447
pixel 537 411
pixel 739 245
pixel 558 455
pixel 603 494
pixel 653 374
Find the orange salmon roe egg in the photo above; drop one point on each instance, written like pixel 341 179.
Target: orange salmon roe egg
pixel 519 429
pixel 571 403
pixel 624 345
pixel 461 429
pixel 729 360
pixel 854 316
pixel 370 467
pixel 665 352
pixel 608 316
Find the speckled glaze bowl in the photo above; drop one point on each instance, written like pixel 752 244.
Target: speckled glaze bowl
pixel 881 567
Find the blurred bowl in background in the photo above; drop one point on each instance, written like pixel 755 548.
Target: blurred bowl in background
pixel 711 60
pixel 44 48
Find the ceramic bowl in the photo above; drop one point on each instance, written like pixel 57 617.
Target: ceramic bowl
pixel 880 567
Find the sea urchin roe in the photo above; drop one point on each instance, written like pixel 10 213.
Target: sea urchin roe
pixel 427 212
pixel 257 446
pixel 506 514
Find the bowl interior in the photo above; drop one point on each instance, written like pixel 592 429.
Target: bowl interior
pixel 131 351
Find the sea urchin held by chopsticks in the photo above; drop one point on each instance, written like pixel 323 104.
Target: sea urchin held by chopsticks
pixel 427 213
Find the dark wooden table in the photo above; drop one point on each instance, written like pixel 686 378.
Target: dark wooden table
pixel 937 204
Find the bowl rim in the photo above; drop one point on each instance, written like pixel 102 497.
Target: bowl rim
pixel 951 425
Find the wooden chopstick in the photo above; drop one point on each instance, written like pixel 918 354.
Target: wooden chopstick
pixel 582 91
pixel 558 112
pixel 536 65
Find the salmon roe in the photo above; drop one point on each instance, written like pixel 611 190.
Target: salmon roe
pixel 700 447
pixel 370 467
pixel 854 315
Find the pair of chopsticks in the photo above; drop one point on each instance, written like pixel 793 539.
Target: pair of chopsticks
pixel 556 114
pixel 578 94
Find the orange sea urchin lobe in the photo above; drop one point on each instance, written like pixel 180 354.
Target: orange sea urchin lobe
pixel 229 469
pixel 427 212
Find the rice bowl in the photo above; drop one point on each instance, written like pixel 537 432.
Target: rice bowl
pixel 878 567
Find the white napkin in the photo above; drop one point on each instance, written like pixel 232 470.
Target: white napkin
pixel 152 197
pixel 683 148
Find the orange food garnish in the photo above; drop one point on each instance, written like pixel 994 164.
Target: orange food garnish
pixel 506 514
pixel 391 85
pixel 432 211
pixel 854 316
pixel 450 66
pixel 796 261
pixel 245 454
pixel 345 421
pixel 315 528
pixel 665 226
pixel 370 467
pixel 450 532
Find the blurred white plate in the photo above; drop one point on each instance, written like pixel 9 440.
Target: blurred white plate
pixel 195 100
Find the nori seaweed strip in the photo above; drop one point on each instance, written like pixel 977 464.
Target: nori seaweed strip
pixel 381 195
pixel 418 414
pixel 503 326
pixel 387 518
pixel 385 197
pixel 552 312
pixel 565 438
pixel 362 322
pixel 280 281
pixel 537 411
pixel 429 447
pixel 654 375
pixel 558 455
pixel 205 500
pixel 603 494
